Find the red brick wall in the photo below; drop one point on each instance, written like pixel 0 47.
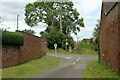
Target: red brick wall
pixel 109 39
pixel 102 37
pixel 10 55
pixel 33 48
pixel 0 53
pixel 119 35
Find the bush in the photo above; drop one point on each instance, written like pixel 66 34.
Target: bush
pixel 55 37
pixel 86 49
pixel 58 37
pixel 12 38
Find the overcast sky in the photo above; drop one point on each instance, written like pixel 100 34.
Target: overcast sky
pixel 90 10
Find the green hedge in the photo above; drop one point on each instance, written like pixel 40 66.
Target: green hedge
pixel 12 38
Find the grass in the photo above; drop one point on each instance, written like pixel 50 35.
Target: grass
pixel 30 68
pixel 60 51
pixel 0 73
pixel 98 70
pixel 83 49
pixel 86 49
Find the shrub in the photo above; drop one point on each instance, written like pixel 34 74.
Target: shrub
pixel 58 37
pixel 12 38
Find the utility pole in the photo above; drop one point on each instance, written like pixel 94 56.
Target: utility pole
pixel 60 22
pixel 61 16
pixel 66 39
pixel 77 40
pixel 17 21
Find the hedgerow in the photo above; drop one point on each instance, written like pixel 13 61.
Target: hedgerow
pixel 12 38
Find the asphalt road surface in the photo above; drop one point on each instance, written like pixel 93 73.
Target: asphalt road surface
pixel 72 66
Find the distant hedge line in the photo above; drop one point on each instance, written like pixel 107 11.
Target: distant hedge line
pixel 12 38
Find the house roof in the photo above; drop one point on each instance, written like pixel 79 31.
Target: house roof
pixel 107 6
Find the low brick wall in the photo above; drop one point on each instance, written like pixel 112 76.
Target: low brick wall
pixel 10 55
pixel 32 48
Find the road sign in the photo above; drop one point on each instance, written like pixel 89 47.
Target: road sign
pixel 55 45
pixel 66 43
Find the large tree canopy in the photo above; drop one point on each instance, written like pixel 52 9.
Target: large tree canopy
pixel 51 12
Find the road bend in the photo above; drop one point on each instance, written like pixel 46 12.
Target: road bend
pixel 72 66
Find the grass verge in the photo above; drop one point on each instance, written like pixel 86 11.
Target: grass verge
pixel 60 51
pixel 98 70
pixel 30 68
pixel 84 51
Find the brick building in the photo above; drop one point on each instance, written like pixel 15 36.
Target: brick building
pixel 87 40
pixel 110 35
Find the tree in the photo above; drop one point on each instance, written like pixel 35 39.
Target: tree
pixel 29 31
pixel 59 16
pixel 96 35
pixel 50 13
pixel 1 23
pixel 1 19
pixel 96 32
pixel 58 37
pixel 4 29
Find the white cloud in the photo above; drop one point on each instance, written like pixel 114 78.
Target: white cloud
pixel 11 9
pixel 87 6
pixel 90 11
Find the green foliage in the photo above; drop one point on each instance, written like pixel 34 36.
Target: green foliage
pixel 12 38
pixel 1 19
pixel 29 31
pixel 58 37
pixel 55 15
pixel 96 32
pixel 55 37
pixel 83 49
pixel 98 70
pixel 82 45
pixel 31 68
pixel 50 12
pixel 4 29
pixel 87 49
pixel 96 37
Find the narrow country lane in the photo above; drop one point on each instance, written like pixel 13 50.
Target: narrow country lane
pixel 72 66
